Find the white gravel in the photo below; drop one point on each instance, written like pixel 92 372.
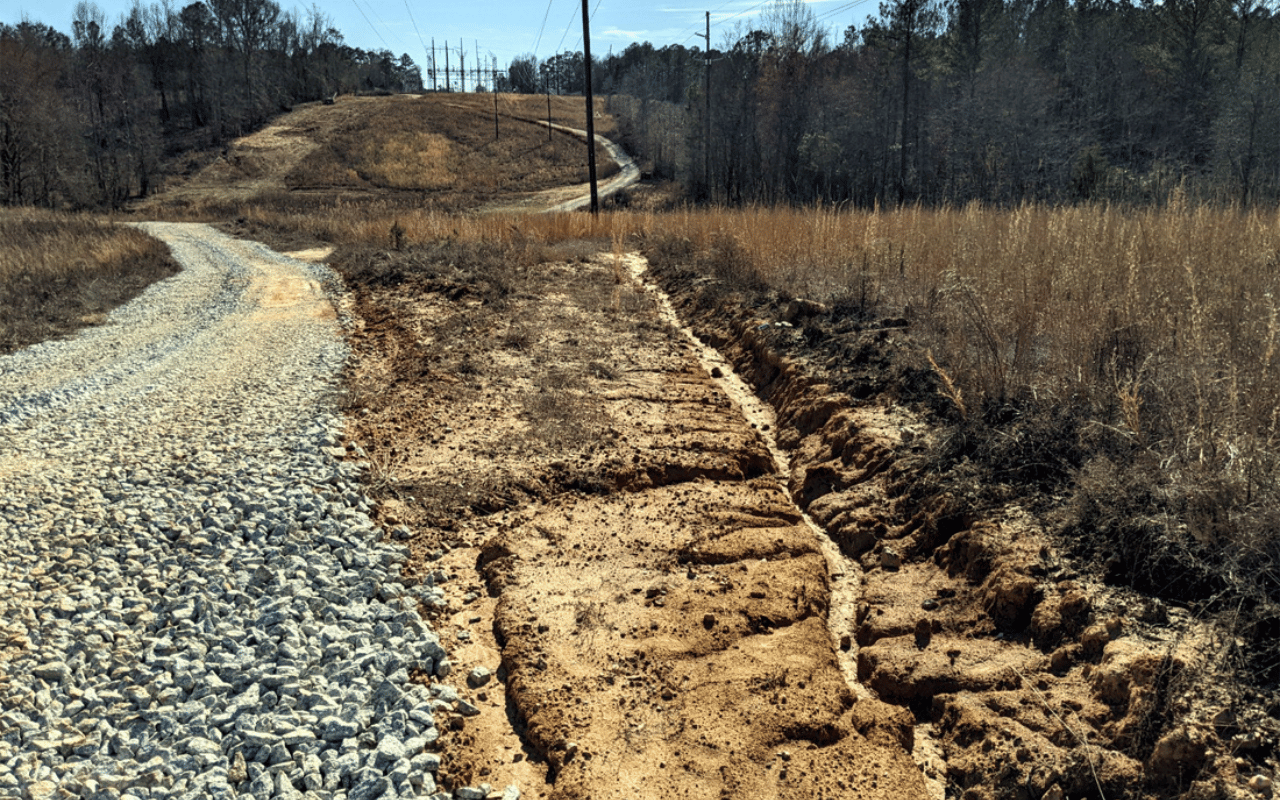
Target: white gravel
pixel 193 599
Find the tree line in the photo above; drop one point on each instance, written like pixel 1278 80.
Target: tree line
pixel 86 118
pixel 951 101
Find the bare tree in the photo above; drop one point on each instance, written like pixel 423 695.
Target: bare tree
pixel 907 22
pixel 249 23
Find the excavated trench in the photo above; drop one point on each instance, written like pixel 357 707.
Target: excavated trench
pixel 642 603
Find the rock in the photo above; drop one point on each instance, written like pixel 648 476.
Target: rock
pixel 238 773
pixel 890 559
pixel 368 785
pixel 466 793
pixel 42 790
pixel 425 762
pixel 1260 784
pixel 297 737
pixel 54 672
pixel 335 729
pixel 390 750
pixel 478 677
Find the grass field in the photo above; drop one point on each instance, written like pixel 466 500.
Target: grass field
pixel 60 272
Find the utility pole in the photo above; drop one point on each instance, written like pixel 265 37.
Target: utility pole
pixel 591 111
pixel 706 145
pixel 462 65
pixel 434 87
pixel 447 87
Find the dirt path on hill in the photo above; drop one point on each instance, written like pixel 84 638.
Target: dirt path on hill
pixel 578 197
pixel 645 605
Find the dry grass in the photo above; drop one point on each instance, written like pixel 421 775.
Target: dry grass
pixel 61 272
pixel 1121 364
pixel 414 152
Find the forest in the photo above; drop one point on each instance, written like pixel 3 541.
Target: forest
pixel 998 101
pixel 933 102
pixel 86 119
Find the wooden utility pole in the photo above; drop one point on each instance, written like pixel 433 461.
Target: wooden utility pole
pixel 447 87
pixel 706 143
pixel 462 65
pixel 434 87
pixel 591 111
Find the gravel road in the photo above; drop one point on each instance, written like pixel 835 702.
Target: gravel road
pixel 193 599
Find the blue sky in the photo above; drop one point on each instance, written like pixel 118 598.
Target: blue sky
pixel 503 28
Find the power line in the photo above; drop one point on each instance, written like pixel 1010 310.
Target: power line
pixel 696 32
pixel 366 19
pixel 817 17
pixel 844 7
pixel 592 18
pixel 544 27
pixel 421 41
pixel 572 18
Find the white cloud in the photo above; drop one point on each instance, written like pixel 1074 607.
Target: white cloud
pixel 618 33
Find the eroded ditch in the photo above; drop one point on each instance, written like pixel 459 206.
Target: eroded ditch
pixel 648 610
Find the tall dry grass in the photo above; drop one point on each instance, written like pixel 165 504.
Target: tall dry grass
pixel 60 272
pixel 1165 320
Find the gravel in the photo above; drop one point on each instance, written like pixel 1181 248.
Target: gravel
pixel 194 602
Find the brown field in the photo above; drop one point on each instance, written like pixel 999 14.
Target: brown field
pixel 386 156
pixel 61 272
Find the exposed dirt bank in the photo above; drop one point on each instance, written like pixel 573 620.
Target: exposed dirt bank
pixel 1034 679
pixel 648 602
